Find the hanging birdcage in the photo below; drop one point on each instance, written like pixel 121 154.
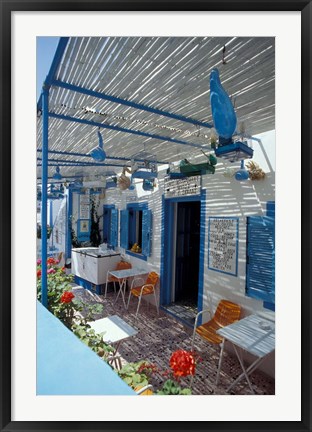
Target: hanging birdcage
pixel 234 151
pixel 144 166
pixel 111 179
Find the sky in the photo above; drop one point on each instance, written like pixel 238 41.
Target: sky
pixel 46 47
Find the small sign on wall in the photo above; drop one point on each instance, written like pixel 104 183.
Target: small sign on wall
pixel 223 244
pixel 83 232
pixel 84 206
pixel 182 186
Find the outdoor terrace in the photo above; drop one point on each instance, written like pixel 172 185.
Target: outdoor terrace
pixel 160 335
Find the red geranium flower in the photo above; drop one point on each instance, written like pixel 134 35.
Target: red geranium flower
pixel 182 363
pixel 67 297
pixel 52 261
pixel 38 273
pixel 147 368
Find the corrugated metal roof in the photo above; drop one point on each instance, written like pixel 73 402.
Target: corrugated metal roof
pixel 166 73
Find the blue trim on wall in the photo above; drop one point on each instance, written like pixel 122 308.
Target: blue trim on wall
pixel 162 254
pixel 166 264
pixel 136 207
pixel 88 285
pixel 137 255
pixel 202 251
pixel 185 199
pixel 106 227
pixel 167 252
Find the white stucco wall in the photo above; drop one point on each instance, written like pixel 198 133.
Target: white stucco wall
pixel 224 197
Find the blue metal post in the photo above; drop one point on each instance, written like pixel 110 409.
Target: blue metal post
pixel 88 156
pixel 44 210
pixel 51 220
pixel 68 244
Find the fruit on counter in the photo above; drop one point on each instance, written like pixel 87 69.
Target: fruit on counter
pixel 136 248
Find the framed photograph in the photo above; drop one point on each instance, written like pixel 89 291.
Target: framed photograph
pixel 23 407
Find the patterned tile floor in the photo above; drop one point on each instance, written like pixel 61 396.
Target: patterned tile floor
pixel 159 335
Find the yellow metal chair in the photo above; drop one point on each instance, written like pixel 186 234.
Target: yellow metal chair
pixel 121 265
pixel 147 288
pixel 144 391
pixel 226 313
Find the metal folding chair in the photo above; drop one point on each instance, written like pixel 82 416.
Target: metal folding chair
pixel 147 288
pixel 226 313
pixel 122 265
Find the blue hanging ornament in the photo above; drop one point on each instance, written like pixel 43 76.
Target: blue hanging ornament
pixel 223 114
pixel 242 174
pixel 57 175
pixel 98 153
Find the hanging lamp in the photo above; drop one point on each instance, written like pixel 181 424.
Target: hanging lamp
pixel 98 153
pixel 57 175
pixel 242 174
pixel 224 119
pixel 144 165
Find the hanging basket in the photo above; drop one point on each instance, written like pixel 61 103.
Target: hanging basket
pixel 235 151
pixel 190 169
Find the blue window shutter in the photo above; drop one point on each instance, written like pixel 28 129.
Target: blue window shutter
pixel 113 227
pixel 146 232
pixel 270 208
pixel 124 226
pixel 260 274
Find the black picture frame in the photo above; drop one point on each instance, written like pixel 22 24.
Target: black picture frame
pixel 7 8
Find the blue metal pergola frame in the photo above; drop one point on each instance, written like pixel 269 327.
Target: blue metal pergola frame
pixel 43 107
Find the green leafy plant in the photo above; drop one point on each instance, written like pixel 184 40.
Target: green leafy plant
pixel 57 282
pixel 73 313
pixel 89 311
pixel 67 308
pixel 172 388
pixel 137 374
pixel 74 239
pixel 61 301
pixel 95 235
pixel 92 339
